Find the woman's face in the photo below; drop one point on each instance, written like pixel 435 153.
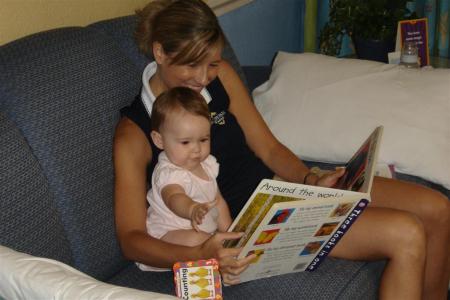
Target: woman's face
pixel 194 76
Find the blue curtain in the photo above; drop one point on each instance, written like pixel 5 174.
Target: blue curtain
pixel 317 11
pixel 437 13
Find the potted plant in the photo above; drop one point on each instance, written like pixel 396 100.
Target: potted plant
pixel 371 24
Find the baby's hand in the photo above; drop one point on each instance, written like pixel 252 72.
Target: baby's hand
pixel 198 212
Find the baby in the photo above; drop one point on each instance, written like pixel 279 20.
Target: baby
pixel 186 206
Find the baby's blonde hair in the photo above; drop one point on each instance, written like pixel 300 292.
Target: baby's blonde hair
pixel 178 98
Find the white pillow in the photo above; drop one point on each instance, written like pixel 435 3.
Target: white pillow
pixel 23 276
pixel 323 108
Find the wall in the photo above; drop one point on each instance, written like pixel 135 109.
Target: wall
pixel 22 17
pixel 256 30
pixel 259 29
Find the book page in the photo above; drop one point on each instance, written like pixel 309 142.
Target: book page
pixel 296 236
pixel 292 227
pixel 359 171
pixel 266 195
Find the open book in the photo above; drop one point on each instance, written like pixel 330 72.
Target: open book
pixel 292 227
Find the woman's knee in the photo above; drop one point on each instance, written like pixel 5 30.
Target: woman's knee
pixel 435 209
pixel 409 237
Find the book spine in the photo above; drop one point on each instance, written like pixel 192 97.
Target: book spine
pixel 338 234
pixel 443 34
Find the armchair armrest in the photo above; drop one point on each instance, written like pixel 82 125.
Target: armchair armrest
pixel 23 276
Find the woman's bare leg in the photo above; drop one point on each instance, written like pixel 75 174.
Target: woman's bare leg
pixel 396 236
pixel 433 209
pixel 188 237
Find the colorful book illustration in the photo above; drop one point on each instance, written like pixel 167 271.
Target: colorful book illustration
pixel 198 280
pixel 417 31
pixel 293 227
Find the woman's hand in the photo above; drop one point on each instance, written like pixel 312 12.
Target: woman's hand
pixel 230 266
pixel 330 178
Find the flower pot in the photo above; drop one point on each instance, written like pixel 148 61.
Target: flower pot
pixel 373 49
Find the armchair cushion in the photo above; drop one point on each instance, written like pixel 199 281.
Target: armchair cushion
pixel 63 90
pixel 23 276
pixel 24 192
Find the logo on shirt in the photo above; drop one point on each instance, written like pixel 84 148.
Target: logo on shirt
pixel 218 118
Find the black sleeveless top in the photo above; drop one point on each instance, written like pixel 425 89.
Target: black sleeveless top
pixel 240 170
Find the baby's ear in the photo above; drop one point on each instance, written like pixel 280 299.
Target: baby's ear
pixel 157 139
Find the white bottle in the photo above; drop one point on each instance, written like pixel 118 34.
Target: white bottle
pixel 409 57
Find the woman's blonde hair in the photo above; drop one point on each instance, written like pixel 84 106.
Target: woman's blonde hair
pixel 187 29
pixel 178 98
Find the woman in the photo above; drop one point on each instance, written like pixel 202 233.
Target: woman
pixel 406 224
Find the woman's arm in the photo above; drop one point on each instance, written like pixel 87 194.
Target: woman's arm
pixel 258 136
pixel 260 139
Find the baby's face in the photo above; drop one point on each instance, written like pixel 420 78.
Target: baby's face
pixel 186 139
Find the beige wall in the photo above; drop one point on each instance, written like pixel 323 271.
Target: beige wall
pixel 22 17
